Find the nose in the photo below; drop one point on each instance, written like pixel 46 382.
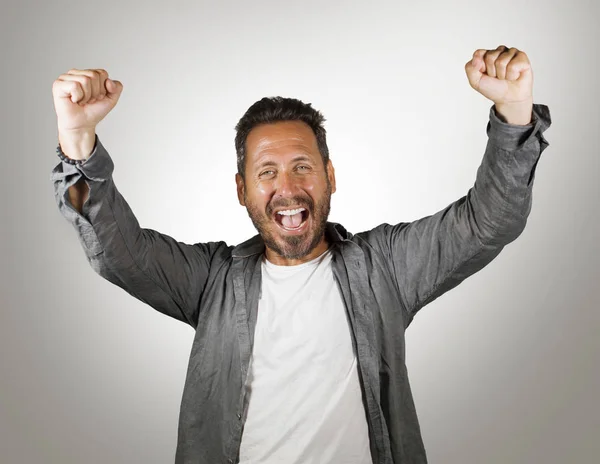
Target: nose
pixel 285 185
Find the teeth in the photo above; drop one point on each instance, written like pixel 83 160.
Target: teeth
pixel 291 212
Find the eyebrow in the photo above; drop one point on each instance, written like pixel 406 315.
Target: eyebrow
pixel 273 163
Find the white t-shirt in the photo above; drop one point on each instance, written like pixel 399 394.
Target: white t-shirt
pixel 305 402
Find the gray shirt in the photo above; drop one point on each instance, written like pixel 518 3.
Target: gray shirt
pixel 385 275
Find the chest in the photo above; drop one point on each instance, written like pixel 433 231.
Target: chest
pixel 301 319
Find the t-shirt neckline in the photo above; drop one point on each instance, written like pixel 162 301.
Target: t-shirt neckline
pixel 280 268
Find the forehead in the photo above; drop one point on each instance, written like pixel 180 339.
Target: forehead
pixel 281 137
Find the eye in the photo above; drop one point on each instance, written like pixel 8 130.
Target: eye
pixel 303 167
pixel 268 172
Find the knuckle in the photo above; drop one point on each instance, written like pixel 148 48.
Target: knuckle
pixel 58 83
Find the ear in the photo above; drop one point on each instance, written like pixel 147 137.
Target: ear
pixel 240 189
pixel 331 175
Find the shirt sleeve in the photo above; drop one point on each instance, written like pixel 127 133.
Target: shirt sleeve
pixel 168 275
pixel 432 255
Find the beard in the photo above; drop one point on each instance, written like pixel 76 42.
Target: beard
pixel 292 246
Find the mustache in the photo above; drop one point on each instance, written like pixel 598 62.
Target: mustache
pixel 305 202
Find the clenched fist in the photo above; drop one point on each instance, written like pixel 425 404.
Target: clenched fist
pixel 82 98
pixel 504 76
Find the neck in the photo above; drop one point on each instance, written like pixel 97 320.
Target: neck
pixel 279 260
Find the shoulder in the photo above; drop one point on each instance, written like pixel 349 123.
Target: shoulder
pixel 368 239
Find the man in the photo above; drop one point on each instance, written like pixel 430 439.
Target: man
pixel 299 352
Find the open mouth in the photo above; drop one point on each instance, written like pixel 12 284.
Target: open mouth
pixel 292 220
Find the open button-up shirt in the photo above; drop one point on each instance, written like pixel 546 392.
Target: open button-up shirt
pixel 385 275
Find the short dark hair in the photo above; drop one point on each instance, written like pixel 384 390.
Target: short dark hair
pixel 269 110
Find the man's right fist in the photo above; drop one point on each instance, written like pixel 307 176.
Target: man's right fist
pixel 83 97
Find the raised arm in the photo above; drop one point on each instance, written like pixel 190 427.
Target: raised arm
pixel 434 254
pixel 168 275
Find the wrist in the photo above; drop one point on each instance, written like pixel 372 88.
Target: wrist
pixel 77 144
pixel 519 113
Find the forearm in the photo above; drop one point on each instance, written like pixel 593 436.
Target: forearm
pixel 501 197
pixel 77 145
pixel 92 182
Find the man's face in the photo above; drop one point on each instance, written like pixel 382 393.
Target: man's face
pixel 287 189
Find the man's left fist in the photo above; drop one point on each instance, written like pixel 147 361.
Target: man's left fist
pixel 503 75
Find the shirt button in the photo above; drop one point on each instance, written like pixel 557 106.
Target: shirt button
pixel 239 416
pixel 230 461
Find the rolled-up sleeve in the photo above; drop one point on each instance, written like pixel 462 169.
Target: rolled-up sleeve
pixel 512 137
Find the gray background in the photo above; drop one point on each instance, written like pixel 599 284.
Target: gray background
pixel 504 368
